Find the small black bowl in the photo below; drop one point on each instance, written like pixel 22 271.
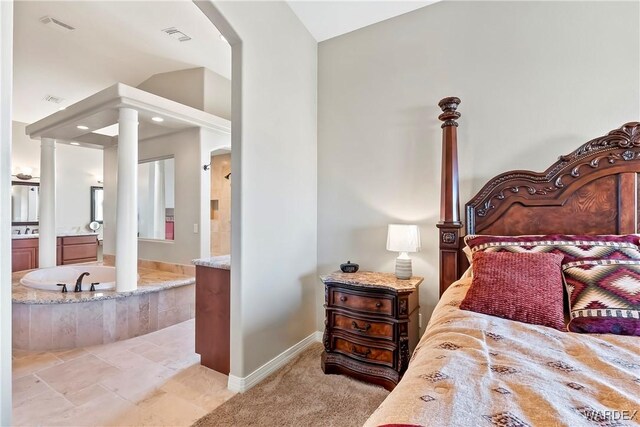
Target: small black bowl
pixel 349 267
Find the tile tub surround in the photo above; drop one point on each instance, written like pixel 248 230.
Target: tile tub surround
pixel 222 262
pixel 51 321
pixel 150 281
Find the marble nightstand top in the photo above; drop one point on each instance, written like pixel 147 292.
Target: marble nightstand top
pixel 372 280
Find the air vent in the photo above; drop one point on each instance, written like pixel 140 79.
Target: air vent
pixel 56 23
pixel 54 99
pixel 174 33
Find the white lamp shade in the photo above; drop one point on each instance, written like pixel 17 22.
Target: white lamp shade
pixel 403 238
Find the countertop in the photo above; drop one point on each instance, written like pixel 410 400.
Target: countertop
pixel 35 236
pixel 222 262
pixel 372 280
pixel 150 281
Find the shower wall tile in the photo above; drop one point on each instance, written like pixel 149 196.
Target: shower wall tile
pixel 167 300
pixel 220 211
pixel 185 295
pixel 153 311
pixel 90 324
pixel 168 318
pixel 40 337
pixel 133 316
pixel 64 325
pixel 122 319
pixel 143 314
pixel 109 318
pixel 20 325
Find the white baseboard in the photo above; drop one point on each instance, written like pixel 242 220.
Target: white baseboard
pixel 242 384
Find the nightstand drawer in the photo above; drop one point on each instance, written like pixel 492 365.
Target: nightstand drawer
pixel 370 304
pixel 361 327
pixel 366 352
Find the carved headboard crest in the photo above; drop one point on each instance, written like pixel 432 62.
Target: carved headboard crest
pixel 627 136
pixel 618 146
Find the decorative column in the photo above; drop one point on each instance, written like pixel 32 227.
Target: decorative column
pixel 47 205
pixel 127 202
pixel 450 224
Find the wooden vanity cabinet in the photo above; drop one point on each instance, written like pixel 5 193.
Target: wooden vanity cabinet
pixel 24 254
pixel 69 250
pixel 77 249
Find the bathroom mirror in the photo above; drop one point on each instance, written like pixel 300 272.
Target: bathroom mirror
pixel 24 203
pixel 97 200
pixel 156 188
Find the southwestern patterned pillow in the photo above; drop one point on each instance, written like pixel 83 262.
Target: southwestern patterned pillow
pixel 526 287
pixel 604 296
pixel 572 247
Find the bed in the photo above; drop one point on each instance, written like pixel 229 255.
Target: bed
pixel 472 369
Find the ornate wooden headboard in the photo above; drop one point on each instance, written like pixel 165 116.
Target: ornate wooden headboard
pixel 592 190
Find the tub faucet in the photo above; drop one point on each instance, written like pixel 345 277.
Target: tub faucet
pixel 78 287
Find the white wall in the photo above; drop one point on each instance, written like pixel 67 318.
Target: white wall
pixel 6 58
pixel 217 94
pixel 199 88
pixel 274 163
pixel 77 169
pixel 536 80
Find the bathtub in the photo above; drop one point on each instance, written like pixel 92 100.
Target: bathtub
pixel 47 279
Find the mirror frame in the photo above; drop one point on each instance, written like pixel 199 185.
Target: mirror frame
pixel 30 184
pixel 93 203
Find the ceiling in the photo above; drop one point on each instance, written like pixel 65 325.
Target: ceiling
pixel 328 19
pixel 110 44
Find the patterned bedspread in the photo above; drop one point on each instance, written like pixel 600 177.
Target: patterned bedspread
pixel 470 369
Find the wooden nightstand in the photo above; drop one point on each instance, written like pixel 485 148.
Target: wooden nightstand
pixel 371 325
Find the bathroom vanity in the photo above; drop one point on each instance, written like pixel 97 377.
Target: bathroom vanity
pixel 213 310
pixel 71 249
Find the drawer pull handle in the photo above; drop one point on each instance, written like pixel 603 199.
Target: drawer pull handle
pixel 360 353
pixel 355 326
pixel 378 304
pixel 343 298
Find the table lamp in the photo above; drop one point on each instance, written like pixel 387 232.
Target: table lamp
pixel 403 238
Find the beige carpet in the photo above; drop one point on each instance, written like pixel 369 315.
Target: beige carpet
pixel 300 394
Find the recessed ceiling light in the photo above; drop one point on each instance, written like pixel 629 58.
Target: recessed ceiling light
pixel 157 119
pixel 74 143
pixel 223 38
pixel 62 108
pixel 82 127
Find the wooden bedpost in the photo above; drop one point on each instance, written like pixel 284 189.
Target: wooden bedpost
pixel 450 224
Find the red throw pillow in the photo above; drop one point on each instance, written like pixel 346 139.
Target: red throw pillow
pixel 526 287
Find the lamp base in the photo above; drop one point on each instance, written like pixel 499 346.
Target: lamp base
pixel 403 268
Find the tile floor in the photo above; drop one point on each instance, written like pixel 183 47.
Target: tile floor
pixel 151 380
